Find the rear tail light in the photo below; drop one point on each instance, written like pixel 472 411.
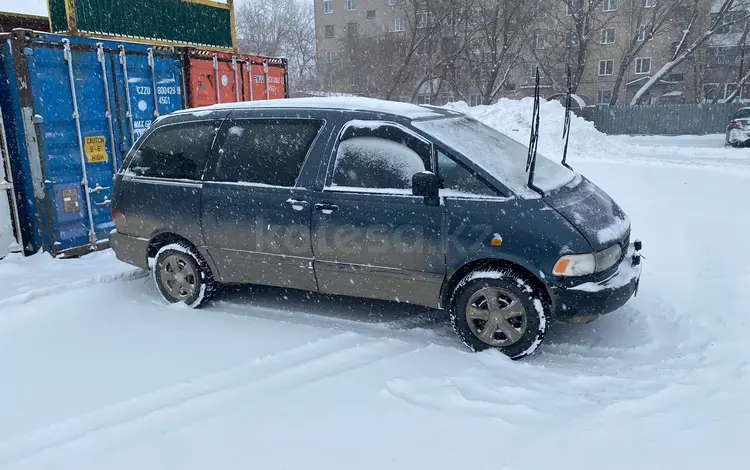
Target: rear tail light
pixel 736 125
pixel 119 218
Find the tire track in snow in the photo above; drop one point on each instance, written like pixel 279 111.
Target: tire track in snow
pixel 33 294
pixel 198 399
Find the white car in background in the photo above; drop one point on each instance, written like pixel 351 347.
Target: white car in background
pixel 738 129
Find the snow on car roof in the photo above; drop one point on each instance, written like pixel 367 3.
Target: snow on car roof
pixel 408 110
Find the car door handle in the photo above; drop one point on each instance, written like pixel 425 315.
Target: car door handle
pixel 297 204
pixel 326 208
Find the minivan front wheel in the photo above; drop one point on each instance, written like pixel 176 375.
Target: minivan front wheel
pixel 499 309
pixel 182 275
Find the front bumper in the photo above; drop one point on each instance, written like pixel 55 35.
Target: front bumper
pixel 598 298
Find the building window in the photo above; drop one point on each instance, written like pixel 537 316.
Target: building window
pixel 396 25
pixel 609 5
pixel 476 99
pixel 606 67
pixel 351 29
pixel 532 71
pixel 649 3
pixel 370 14
pixel 391 3
pixel 574 6
pixel 424 19
pixel 331 56
pixel 643 32
pixel 605 96
pixel 538 41
pixel 351 5
pixel 571 39
pixel 643 65
pixel 330 31
pixel 327 7
pixel 608 36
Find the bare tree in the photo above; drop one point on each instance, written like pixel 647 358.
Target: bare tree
pixel 728 13
pixel 502 34
pixel 280 28
pixel 646 24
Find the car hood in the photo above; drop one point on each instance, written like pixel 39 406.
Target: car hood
pixel 599 219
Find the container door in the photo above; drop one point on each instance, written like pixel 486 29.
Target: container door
pixel 154 88
pixel 276 77
pixel 8 210
pixel 73 109
pixel 229 92
pixel 202 82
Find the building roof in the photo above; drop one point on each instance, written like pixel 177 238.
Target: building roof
pixel 407 110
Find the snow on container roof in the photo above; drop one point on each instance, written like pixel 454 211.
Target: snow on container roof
pixel 408 110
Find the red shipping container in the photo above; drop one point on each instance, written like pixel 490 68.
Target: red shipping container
pixel 217 77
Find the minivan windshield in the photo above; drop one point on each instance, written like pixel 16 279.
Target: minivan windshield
pixel 498 154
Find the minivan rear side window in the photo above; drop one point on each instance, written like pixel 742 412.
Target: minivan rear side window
pixel 265 151
pixel 176 151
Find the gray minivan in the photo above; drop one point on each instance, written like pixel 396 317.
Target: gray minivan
pixel 373 199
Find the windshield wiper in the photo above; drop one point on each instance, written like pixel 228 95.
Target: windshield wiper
pixel 534 139
pixel 566 124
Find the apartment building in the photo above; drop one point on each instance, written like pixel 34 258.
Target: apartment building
pixel 621 35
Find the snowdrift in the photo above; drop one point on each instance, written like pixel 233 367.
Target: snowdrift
pixel 513 117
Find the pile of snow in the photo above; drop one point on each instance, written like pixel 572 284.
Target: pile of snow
pixel 513 117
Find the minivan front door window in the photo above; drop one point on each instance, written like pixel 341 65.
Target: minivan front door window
pixel 178 151
pixel 375 162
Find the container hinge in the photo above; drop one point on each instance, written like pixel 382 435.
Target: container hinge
pixel 100 52
pixel 108 115
pixel 76 116
pixel 97 189
pixel 150 57
pixel 92 238
pixel 6 185
pixel 234 62
pixel 66 50
pixel 121 55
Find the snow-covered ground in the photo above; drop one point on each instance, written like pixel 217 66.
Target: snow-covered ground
pixel 96 372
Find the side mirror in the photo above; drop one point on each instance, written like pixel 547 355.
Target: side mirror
pixel 426 184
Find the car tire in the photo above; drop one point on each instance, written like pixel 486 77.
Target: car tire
pixel 519 315
pixel 182 275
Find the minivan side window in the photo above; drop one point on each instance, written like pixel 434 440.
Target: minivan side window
pixel 177 151
pixel 456 177
pixel 266 151
pixel 375 162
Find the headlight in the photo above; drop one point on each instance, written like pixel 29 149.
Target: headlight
pixel 605 259
pixel 589 263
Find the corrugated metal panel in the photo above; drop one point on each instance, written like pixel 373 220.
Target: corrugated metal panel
pixel 259 77
pixel 199 22
pixel 63 144
pixel 666 119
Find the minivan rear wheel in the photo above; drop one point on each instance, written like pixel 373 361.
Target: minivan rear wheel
pixel 182 275
pixel 499 309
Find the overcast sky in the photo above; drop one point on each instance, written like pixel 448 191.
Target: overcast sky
pixel 34 7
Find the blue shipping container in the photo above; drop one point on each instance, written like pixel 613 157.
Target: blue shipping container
pixel 73 107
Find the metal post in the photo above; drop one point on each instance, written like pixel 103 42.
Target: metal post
pixel 236 78
pixel 218 79
pixel 265 72
pixel 9 182
pixel 85 182
pixel 100 56
pixel 250 74
pixel 153 81
pixel 124 62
